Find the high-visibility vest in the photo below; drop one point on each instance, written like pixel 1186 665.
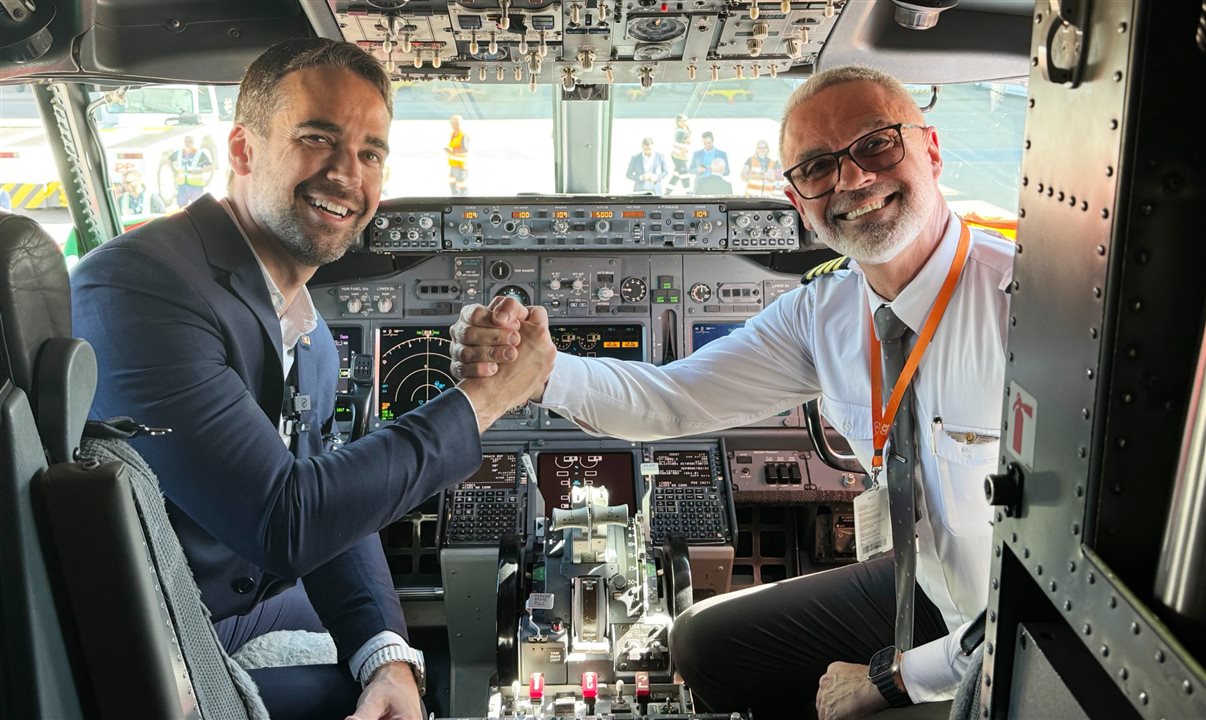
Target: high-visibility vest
pixel 682 144
pixel 457 144
pixel 762 183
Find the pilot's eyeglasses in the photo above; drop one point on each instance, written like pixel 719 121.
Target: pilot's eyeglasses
pixel 876 151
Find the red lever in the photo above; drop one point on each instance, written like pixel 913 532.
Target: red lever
pixel 536 686
pixel 642 684
pixel 590 685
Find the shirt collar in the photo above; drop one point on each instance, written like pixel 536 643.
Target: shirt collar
pixel 913 303
pixel 299 317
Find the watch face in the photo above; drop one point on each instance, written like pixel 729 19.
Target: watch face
pixel 881 662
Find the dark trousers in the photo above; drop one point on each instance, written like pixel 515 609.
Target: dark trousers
pixel 766 648
pixel 317 692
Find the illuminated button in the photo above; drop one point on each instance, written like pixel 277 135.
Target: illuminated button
pixel 536 686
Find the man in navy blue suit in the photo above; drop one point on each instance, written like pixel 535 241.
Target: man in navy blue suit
pixel 202 323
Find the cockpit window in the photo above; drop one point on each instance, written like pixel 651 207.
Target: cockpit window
pixel 470 139
pixel 716 138
pixel 722 138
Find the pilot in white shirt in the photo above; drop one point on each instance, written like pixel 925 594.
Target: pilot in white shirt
pixel 786 355
pixel 863 171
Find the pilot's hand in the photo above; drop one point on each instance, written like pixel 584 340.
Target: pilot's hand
pixel 391 694
pixel 846 693
pixel 485 336
pixel 515 383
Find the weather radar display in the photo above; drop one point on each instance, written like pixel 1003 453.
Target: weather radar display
pixel 414 367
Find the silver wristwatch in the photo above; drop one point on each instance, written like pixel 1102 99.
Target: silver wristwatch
pixel 392 654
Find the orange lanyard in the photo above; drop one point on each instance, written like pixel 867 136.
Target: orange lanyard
pixel 882 417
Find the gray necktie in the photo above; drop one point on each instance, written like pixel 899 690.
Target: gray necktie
pixel 900 459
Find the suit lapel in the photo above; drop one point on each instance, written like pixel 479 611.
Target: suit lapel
pixel 226 250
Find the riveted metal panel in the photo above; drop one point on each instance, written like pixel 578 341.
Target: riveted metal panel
pixel 1106 317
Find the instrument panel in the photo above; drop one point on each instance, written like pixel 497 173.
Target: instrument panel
pixel 630 302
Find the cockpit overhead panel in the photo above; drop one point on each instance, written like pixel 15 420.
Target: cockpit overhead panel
pixel 588 42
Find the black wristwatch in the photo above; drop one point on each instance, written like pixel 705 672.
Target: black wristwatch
pixel 883 671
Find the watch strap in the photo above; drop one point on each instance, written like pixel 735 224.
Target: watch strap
pixel 392 654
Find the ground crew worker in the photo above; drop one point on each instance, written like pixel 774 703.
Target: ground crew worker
pixel 763 175
pixel 680 153
pixel 458 151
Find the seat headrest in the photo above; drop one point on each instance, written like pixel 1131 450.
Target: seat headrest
pixel 35 297
pixel 56 371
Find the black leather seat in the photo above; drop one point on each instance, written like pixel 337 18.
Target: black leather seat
pixel 87 630
pixel 36 678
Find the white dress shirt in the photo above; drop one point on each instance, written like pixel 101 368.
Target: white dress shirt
pixel 813 342
pixel 299 318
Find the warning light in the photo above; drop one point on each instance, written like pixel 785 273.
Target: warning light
pixel 665 7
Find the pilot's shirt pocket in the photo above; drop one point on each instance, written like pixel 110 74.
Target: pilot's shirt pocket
pixel 965 456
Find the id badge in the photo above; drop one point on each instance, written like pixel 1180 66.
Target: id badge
pixel 872 524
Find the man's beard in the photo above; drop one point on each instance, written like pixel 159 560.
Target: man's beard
pixel 285 223
pixel 874 242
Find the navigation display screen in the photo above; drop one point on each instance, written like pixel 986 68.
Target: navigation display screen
pixel 558 473
pixel 623 342
pixel 704 333
pixel 413 366
pixel 683 468
pixel 498 470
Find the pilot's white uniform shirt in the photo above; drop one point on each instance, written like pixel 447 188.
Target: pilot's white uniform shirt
pixel 813 342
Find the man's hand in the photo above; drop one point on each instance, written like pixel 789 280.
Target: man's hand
pixel 486 336
pixel 846 693
pixel 514 383
pixel 391 694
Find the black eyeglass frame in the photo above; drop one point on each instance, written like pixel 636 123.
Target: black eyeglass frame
pixel 845 152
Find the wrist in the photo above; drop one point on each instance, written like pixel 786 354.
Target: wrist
pixel 395 655
pixel 884 671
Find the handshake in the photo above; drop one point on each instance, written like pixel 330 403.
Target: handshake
pixel 503 356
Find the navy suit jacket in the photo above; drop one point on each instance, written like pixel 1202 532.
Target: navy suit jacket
pixel 636 168
pixel 186 338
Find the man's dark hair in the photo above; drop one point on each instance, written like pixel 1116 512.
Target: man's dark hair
pixel 708 135
pixel 258 90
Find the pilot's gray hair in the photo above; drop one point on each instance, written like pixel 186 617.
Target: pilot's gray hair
pixel 837 76
pixel 258 90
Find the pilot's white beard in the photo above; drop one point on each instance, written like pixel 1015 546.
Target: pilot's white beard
pixel 878 242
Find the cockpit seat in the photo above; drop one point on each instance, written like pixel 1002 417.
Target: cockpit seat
pixel 84 531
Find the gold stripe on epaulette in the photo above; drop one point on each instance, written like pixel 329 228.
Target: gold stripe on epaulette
pixel 829 266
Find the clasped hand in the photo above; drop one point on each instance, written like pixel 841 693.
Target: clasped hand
pixel 503 355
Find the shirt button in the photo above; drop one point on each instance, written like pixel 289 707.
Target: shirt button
pixel 242 585
pixel 847 426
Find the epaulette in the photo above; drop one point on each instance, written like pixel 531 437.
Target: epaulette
pixel 829 266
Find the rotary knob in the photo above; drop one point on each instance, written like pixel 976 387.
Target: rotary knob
pixel 554 284
pixel 602 226
pixel 465 228
pixel 412 234
pixel 381 222
pixel 355 305
pixel 425 222
pixel 787 220
pixel 705 226
pixel 523 231
pixel 700 292
pixel 577 284
pixel 605 293
pixel 385 304
pixel 743 221
pixel 560 226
